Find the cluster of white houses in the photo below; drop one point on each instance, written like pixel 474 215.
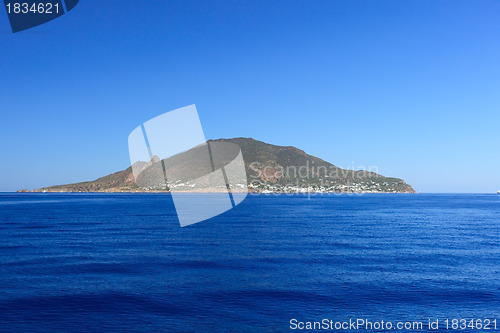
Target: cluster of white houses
pixel 365 187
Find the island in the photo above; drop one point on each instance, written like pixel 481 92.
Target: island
pixel 269 168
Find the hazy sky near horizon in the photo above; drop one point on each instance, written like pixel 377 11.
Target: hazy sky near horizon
pixel 411 87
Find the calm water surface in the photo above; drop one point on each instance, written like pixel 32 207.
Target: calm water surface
pixel 120 262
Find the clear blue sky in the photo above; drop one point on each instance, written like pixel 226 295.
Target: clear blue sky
pixel 412 87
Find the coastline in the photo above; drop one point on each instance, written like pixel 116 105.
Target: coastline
pixel 210 192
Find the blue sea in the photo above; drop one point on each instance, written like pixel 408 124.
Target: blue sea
pixel 121 262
